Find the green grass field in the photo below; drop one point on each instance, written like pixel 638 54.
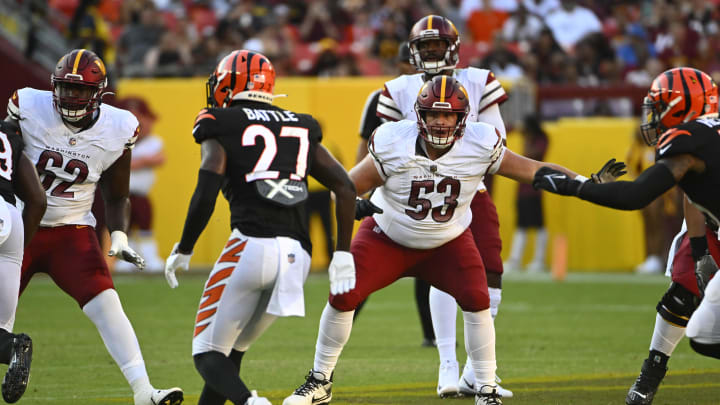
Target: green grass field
pixel 577 342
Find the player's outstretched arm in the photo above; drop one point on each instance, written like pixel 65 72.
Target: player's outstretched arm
pixel 202 205
pixel 332 175
pixel 523 169
pixel 27 186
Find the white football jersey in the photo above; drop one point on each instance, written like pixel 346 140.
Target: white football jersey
pixel 397 100
pixel 70 164
pixel 426 203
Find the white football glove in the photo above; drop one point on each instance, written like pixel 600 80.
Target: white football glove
pixel 174 262
pixel 119 248
pixel 341 273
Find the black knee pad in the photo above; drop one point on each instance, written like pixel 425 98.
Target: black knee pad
pixel 677 305
pixel 710 350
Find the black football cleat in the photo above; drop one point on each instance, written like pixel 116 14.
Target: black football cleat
pixel 646 385
pixel 18 372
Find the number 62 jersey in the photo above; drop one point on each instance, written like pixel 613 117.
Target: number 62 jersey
pixel 70 164
pixel 426 203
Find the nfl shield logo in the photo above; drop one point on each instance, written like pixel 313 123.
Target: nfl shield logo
pixel 72 141
pixel 291 258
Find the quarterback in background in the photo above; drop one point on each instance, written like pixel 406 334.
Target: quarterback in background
pixel 426 174
pixel 76 145
pixel 434 46
pixel 260 155
pixel 17 177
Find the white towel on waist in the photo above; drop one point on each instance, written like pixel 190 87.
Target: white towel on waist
pixel 287 298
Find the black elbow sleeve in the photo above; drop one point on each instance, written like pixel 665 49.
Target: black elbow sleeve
pixel 630 195
pixel 201 208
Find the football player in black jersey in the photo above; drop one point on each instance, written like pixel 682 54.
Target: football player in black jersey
pixel 17 176
pixel 680 117
pixel 260 156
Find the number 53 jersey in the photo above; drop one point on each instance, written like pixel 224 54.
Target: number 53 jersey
pixel 70 164
pixel 426 203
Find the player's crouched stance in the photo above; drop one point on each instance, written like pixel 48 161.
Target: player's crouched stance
pixel 261 155
pixel 427 173
pixel 17 177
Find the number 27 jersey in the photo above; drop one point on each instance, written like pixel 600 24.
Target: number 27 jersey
pixel 426 203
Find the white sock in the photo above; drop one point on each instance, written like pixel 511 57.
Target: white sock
pixel 443 310
pixel 666 336
pixel 106 312
pixel 518 247
pixel 495 299
pixel 334 332
pixel 480 346
pixel 541 238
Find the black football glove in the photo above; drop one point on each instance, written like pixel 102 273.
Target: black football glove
pixel 365 208
pixel 556 182
pixel 609 172
pixel 705 268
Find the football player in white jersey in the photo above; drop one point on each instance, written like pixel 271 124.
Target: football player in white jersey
pixel 76 145
pixel 434 46
pixel 17 176
pixel 426 173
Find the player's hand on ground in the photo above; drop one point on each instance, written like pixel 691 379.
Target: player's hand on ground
pixel 705 268
pixel 609 172
pixel 556 182
pixel 175 261
pixel 365 208
pixel 119 248
pixel 341 273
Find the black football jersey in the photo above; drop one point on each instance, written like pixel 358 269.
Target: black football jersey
pixel 11 146
pixel 269 146
pixel 700 138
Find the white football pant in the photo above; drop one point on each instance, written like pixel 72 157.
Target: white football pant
pixel 11 254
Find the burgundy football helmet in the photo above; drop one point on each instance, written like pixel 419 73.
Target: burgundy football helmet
pixel 78 84
pixel 442 94
pixel 434 27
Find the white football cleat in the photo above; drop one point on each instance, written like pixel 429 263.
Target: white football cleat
pixel 467 387
pixel 448 379
pixel 317 390
pixel 171 396
pixel 256 400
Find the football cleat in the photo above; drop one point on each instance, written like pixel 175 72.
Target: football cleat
pixel 256 400
pixel 315 391
pixel 18 372
pixel 646 385
pixel 171 396
pixel 448 379
pixel 467 388
pixel 488 395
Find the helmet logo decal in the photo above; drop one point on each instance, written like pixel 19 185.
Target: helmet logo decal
pixel 77 61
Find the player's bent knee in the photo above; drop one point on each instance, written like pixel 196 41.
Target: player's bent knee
pixel 677 305
pixel 346 302
pixel 473 299
pixel 706 349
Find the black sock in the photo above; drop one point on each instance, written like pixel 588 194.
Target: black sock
pixel 6 341
pixel 658 358
pixel 422 299
pixel 222 380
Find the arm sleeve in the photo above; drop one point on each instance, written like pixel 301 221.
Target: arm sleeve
pixel 492 116
pixel 387 108
pixel 201 208
pixel 630 195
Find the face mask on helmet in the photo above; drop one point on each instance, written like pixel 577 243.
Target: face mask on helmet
pixel 74 101
pixel 676 96
pixel 434 44
pixel 441 129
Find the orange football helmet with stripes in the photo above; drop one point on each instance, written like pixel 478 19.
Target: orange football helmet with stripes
pixel 442 94
pixel 78 84
pixel 434 27
pixel 676 96
pixel 241 75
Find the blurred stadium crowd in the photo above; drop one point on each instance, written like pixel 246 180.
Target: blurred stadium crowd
pixel 584 42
